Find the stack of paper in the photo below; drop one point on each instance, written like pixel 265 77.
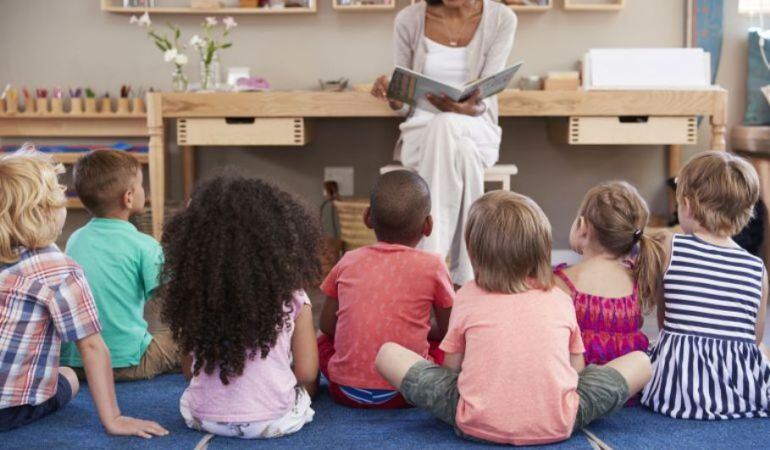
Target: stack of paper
pixel 659 68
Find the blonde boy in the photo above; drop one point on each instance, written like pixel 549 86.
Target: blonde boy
pixel 44 301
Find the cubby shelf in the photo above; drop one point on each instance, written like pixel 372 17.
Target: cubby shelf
pixel 377 7
pixel 113 7
pixel 525 8
pixel 581 5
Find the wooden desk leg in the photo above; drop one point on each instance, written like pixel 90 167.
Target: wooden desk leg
pixel 674 165
pixel 156 162
pixel 763 169
pixel 719 123
pixel 188 170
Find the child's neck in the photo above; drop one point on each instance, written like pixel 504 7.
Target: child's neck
pixel 712 238
pixel 409 243
pixel 121 214
pixel 591 252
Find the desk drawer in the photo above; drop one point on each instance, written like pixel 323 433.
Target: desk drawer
pixel 242 131
pixel 632 130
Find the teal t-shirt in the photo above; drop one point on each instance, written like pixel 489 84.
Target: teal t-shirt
pixel 122 266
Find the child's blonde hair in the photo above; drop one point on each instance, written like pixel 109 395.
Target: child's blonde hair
pixel 509 243
pixel 618 216
pixel 29 195
pixel 721 188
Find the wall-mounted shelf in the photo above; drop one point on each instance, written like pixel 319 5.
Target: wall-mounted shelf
pixel 526 7
pixel 389 5
pixel 116 7
pixel 594 5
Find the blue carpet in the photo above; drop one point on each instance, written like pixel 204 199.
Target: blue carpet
pixel 334 426
pixel 640 428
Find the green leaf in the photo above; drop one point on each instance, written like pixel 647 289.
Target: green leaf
pixel 227 45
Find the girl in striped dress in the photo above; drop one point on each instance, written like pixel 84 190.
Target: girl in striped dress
pixel 616 281
pixel 707 362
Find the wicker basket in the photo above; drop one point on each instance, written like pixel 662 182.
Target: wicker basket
pixel 353 231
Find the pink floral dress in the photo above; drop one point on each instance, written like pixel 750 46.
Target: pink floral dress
pixel 610 327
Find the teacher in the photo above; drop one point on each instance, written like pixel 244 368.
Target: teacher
pixel 451 143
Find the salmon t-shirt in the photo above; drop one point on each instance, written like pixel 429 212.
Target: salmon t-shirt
pixel 516 383
pixel 385 293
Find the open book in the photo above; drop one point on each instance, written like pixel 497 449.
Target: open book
pixel 409 86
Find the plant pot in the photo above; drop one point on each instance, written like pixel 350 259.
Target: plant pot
pixel 41 105
pixel 76 106
pixel 90 106
pixel 123 104
pixel 138 105
pixel 105 106
pixel 57 106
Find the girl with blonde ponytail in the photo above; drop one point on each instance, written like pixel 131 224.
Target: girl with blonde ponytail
pixel 617 280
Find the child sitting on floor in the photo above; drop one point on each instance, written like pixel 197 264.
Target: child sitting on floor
pixel 707 362
pixel 513 371
pixel 237 260
pixel 617 280
pixel 384 292
pixel 121 265
pixel 45 300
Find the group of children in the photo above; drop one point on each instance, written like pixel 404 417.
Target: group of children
pixel 524 354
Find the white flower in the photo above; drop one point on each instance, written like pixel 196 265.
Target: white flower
pixel 181 59
pixel 144 21
pixel 229 23
pixel 133 20
pixel 211 21
pixel 197 42
pixel 170 55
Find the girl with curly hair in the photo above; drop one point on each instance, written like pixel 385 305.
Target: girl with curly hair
pixel 237 261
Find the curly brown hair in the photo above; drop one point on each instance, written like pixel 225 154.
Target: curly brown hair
pixel 234 258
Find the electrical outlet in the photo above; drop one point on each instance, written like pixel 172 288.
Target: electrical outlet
pixel 343 176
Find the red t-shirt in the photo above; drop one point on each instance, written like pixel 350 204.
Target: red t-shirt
pixel 516 383
pixel 385 294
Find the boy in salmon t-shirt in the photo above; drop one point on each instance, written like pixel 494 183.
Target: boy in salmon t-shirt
pixel 384 293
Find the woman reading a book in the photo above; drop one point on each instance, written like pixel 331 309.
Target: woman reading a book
pixel 451 143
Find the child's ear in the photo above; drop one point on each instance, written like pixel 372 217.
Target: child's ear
pixel 427 227
pixel 128 199
pixel 368 218
pixel 582 227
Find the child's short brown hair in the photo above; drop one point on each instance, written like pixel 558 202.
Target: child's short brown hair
pixel 400 203
pixel 29 195
pixel 102 177
pixel 721 188
pixel 509 243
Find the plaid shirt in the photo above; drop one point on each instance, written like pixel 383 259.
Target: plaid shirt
pixel 44 300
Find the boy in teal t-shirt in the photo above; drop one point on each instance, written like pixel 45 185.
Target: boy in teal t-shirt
pixel 122 266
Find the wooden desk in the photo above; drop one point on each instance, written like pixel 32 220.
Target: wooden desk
pixel 313 104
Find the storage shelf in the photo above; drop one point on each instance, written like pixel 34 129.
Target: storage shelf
pixel 380 7
pixel 73 157
pixel 47 116
pixel 525 8
pixel 573 5
pixel 109 6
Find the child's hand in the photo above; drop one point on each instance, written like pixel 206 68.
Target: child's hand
pixel 128 426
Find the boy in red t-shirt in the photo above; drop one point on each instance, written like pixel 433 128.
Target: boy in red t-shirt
pixel 384 292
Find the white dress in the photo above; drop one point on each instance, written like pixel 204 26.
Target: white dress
pixel 451 152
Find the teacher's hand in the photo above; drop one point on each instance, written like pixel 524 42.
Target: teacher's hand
pixel 380 91
pixel 472 106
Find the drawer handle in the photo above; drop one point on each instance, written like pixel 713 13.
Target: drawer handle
pixel 239 120
pixel 634 119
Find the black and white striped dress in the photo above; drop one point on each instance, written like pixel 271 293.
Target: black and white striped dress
pixel 706 363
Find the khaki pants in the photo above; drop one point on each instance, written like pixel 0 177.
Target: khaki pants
pixel 161 356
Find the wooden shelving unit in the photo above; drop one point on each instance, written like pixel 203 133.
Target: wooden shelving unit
pixel 377 7
pixel 525 8
pixel 587 5
pixel 117 7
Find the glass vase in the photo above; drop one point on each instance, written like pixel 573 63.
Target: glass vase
pixel 179 80
pixel 210 74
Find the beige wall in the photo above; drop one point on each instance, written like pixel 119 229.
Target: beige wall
pixel 50 42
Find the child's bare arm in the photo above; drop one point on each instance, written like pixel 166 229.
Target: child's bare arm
pixel 666 238
pixel 438 331
pixel 453 361
pixel 96 361
pixel 578 362
pixel 760 328
pixel 304 349
pixel 328 321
